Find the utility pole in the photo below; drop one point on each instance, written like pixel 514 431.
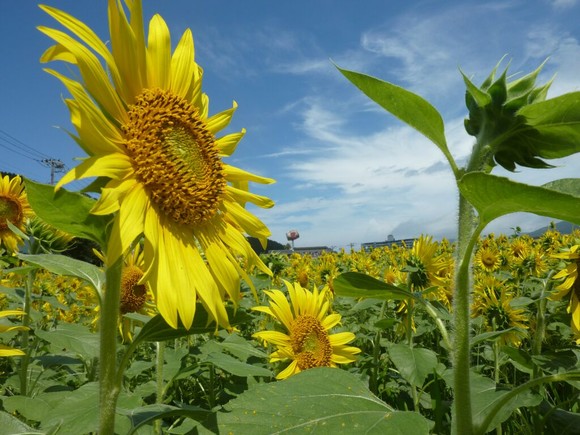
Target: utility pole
pixel 55 166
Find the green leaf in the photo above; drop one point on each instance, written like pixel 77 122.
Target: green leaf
pixel 555 125
pixel 240 347
pixel 553 362
pixel 485 395
pixel 74 411
pixel 149 413
pixel 72 338
pixel 520 359
pixel 491 335
pixel 321 400
pixel 405 105
pixel 481 98
pixel 359 285
pixel 565 185
pixel 236 367
pixel 414 364
pixel 11 425
pixel 157 328
pixel 63 265
pixel 494 196
pixel 67 211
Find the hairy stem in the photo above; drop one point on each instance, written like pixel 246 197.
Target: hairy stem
pixel 109 382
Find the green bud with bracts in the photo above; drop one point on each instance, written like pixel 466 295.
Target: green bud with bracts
pixel 515 124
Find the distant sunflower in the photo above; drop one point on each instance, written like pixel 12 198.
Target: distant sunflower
pixel 14 208
pixel 426 265
pixel 143 121
pixel 570 284
pixel 307 341
pixel 487 258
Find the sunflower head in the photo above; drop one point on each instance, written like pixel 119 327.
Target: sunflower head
pixel 306 322
pixel 143 120
pixel 14 208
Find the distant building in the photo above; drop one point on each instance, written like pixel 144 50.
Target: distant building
pixel 369 246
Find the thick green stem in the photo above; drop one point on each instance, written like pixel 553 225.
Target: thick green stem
pixel 468 234
pixel 109 382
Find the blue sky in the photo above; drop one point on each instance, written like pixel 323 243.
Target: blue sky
pixel 347 172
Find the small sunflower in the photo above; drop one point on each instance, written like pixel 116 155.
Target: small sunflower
pixel 4 349
pixel 570 284
pixel 143 120
pixel 14 208
pixel 487 258
pixel 307 341
pixel 136 296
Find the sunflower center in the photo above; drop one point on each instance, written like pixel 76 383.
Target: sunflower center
pixel 488 259
pixel 310 343
pixel 133 295
pixel 175 157
pixel 10 210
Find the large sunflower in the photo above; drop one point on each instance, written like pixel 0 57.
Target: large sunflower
pixel 143 121
pixel 307 341
pixel 14 208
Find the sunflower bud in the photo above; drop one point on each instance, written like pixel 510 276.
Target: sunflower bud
pixel 497 119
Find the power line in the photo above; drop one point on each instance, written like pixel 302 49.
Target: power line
pixel 8 138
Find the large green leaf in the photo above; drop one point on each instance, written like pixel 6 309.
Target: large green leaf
pixel 321 400
pixel 485 395
pixel 149 413
pixel 157 328
pixel 67 211
pixel 494 196
pixel 63 265
pixel 359 285
pixel 11 425
pixel 73 338
pixel 236 367
pixel 405 105
pixel 556 125
pixel 413 363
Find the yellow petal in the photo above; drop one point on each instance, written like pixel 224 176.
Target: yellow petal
pixel 158 54
pixel 236 174
pixel 95 78
pixel 128 224
pixel 228 143
pixel 221 120
pixel 183 67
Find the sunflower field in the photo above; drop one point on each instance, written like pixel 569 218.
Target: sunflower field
pixel 139 306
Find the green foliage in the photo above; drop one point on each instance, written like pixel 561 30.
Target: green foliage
pixel 67 211
pixel 322 399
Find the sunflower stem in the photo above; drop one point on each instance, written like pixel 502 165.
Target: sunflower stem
pixel 468 235
pixel 109 381
pixel 159 361
pixel 373 381
pixel 25 346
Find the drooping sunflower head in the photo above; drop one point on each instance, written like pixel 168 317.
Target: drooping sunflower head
pixel 426 265
pixel 14 208
pixel 499 314
pixel 306 339
pixel 142 118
